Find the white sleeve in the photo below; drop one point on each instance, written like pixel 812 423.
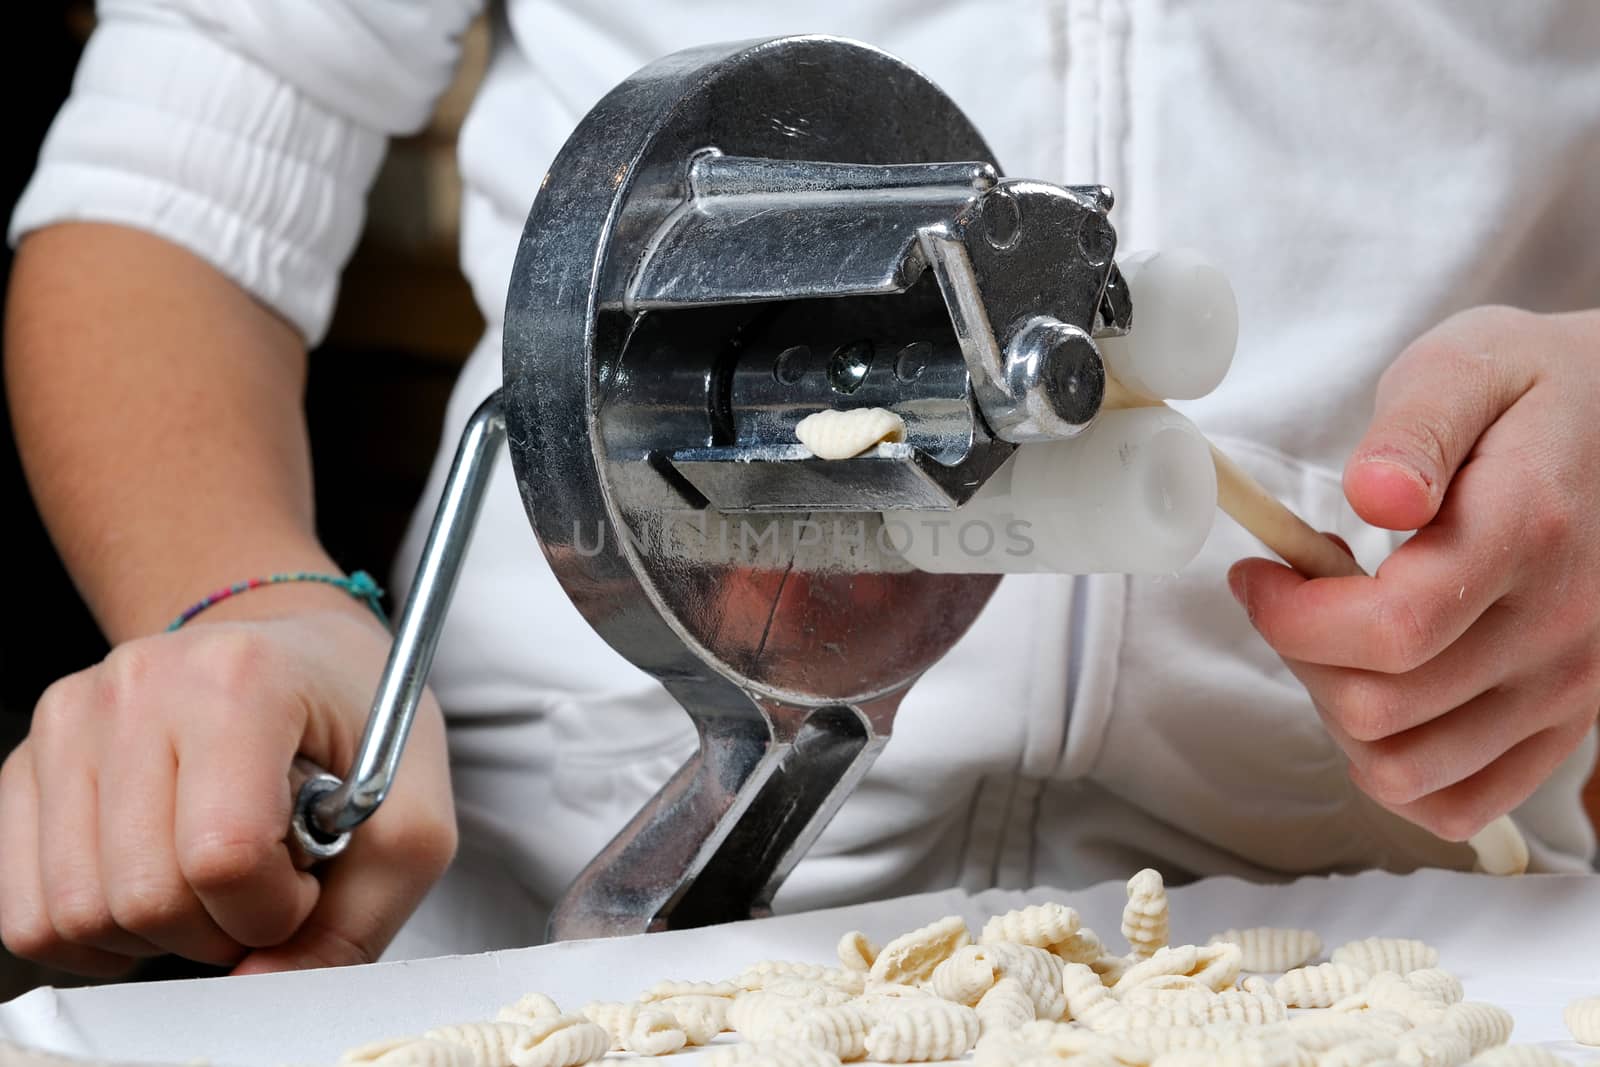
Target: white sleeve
pixel 246 132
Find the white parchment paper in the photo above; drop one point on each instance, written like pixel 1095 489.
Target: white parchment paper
pixel 1529 944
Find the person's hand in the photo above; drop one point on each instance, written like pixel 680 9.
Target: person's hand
pixel 146 811
pixel 1460 675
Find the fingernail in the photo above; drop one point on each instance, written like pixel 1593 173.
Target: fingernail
pixel 1415 471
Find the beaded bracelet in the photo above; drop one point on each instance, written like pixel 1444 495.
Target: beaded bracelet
pixel 359 585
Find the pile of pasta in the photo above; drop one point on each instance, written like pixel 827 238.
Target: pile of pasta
pixel 1036 988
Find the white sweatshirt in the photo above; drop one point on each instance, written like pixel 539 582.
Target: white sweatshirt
pixel 1359 169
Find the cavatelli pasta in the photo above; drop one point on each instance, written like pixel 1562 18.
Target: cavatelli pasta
pixel 1272 948
pixel 912 956
pixel 1374 954
pixel 1039 925
pixel 1145 919
pixel 923 1030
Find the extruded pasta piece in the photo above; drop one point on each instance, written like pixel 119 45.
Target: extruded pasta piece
pixel 1255 983
pixel 757 975
pixel 1004 1007
pixel 1059 1037
pixel 495 1044
pixel 1112 968
pixel 966 976
pixel 1167 960
pixel 1217 966
pixel 1500 848
pixel 1197 1008
pixel 1485 1025
pixel 1353 1003
pixel 764 974
pixel 654 1033
pixel 1321 985
pixel 841 434
pixel 1272 948
pixel 880 1000
pixel 922 1030
pixel 1072 1042
pixel 1390 991
pixel 1146 921
pixel 1433 1046
pixel 1082 947
pixel 1260 1050
pixel 1037 971
pixel 1438 983
pixel 564 1041
pixel 1001 1049
pixel 1083 1048
pixel 529 1008
pixel 1519 1056
pixel 1212 1047
pixel 856 953
pixel 648 1029
pixel 1382 1021
pixel 1367 1052
pixel 1398 954
pixel 1254 1009
pixel 615 1017
pixel 1188 1009
pixel 769 1054
pixel 1213 967
pixel 1322 1035
pixel 842 1030
pixel 745 1011
pixel 412 1052
pixel 888 994
pixel 1089 1001
pixel 1160 1040
pixel 1039 925
pixel 561 1041
pixel 701 1016
pixel 1015 1050
pixel 671 989
pixel 1583 1020
pixel 1163 988
pixel 818 993
pixel 1185 1058
pixel 756 1015
pixel 912 956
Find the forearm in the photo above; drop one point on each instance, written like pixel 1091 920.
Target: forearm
pixel 159 416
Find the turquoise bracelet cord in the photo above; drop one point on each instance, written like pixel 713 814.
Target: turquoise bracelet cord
pixel 359 585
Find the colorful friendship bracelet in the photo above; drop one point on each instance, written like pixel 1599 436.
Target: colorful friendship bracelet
pixel 359 585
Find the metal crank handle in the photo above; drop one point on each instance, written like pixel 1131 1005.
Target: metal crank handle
pixel 326 808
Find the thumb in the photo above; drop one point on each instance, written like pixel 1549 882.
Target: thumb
pixel 369 890
pixel 367 894
pixel 1433 403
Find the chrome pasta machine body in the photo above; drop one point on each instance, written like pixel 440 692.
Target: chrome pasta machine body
pixel 734 238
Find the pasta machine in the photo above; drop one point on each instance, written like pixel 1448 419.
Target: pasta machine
pixel 735 237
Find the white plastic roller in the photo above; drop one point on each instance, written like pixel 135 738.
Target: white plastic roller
pixel 1185 326
pixel 1135 494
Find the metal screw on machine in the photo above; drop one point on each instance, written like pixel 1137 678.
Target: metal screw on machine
pixel 735 237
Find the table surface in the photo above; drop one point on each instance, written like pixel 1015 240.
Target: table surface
pixel 1531 945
